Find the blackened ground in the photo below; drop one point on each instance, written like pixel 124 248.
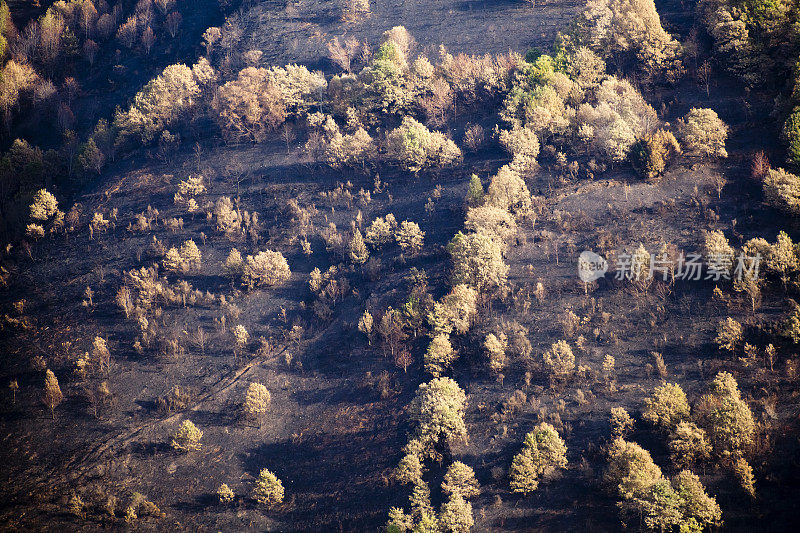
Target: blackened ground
pixel 334 430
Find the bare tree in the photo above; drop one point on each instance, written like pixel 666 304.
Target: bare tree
pixel 390 329
pixel 148 39
pixel 165 5
pixel 719 184
pixel 760 166
pixel 51 31
pixel 343 54
pixel 403 359
pixel 287 132
pixel 704 76
pixel 90 50
pixel 125 301
pixel 354 10
pixel 174 20
pixel 105 26
pixel 201 339
pixel 439 102
pixel 99 397
pixel 87 18
pixel 127 32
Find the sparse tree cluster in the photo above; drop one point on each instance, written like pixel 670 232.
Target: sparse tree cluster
pixel 259 100
pixel 349 149
pixel 455 514
pixel 563 115
pixel 455 311
pixel 681 502
pixel 383 230
pixel 188 192
pixel 438 414
pixel 184 260
pixel 265 269
pixel 571 97
pixel 167 101
pixel 45 214
pixel 631 32
pixel 726 417
pixel 414 147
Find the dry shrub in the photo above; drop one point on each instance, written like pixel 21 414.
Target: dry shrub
pixel 474 137
pixel 760 166
pixel 177 399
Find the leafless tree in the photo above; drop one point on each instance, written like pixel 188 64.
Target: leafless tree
pixel 288 134
pixel 704 76
pixel 127 32
pixel 439 102
pixel 87 18
pixel 201 339
pixel 90 50
pixel 165 5
pixel 174 20
pixel 403 359
pixel 148 40
pixel 343 54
